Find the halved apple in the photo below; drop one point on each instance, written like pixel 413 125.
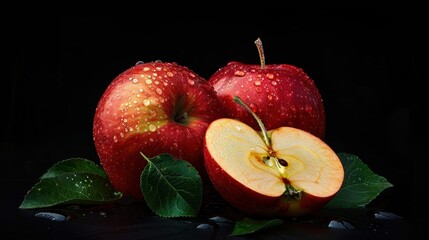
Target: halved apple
pixel 281 172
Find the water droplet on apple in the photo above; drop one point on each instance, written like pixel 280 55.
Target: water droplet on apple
pixel 340 224
pixel 135 80
pixel 121 134
pixel 146 102
pixel 239 73
pixel 159 91
pixel 148 81
pixel 270 97
pixel 139 62
pixel 238 128
pixel 158 68
pixel 141 90
pixel 158 61
pixel 170 74
pixel 152 128
pixel 274 83
pixel 191 82
pixel 115 139
pixel 270 76
pixel 145 69
pixel 257 83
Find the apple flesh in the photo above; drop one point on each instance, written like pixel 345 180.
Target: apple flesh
pixel 280 94
pixel 153 108
pixel 295 175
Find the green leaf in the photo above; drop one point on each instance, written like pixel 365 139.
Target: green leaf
pixel 248 225
pixel 70 188
pixel 74 165
pixel 360 185
pixel 171 187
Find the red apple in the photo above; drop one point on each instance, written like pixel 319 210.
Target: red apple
pixel 280 94
pixel 153 108
pixel 283 172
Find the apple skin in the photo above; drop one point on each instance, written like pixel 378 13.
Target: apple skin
pixel 274 203
pixel 280 94
pixel 153 108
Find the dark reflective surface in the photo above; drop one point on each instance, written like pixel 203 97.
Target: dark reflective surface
pixel 129 219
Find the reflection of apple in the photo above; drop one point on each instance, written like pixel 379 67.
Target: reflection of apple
pixel 280 94
pixel 152 108
pixel 281 172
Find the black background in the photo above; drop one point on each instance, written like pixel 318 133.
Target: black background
pixel 364 61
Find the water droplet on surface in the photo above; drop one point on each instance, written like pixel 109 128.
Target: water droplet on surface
pixel 52 216
pixel 148 81
pixel 135 80
pixel 257 83
pixel 238 128
pixel 145 69
pixel 340 224
pixel 205 226
pixel 115 139
pixel 191 82
pixel 218 219
pixel 273 83
pixel 386 215
pixel 270 76
pixel 159 91
pixel 239 73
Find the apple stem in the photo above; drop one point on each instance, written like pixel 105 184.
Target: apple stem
pixel 265 136
pixel 258 43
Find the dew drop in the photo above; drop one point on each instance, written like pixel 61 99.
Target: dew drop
pixel 191 82
pixel 146 102
pixel 170 74
pixel 139 62
pixel 270 76
pixel 192 75
pixel 274 83
pixel 239 73
pixel 148 81
pixel 159 91
pixel 270 97
pixel 152 128
pixel 115 139
pixel 257 83
pixel 158 68
pixel 145 69
pixel 135 80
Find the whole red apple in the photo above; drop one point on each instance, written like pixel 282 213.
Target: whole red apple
pixel 280 94
pixel 283 172
pixel 153 108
